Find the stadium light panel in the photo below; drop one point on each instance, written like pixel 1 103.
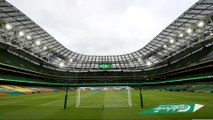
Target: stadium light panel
pixel 21 33
pixel 148 63
pixel 200 24
pixel 181 35
pixel 61 64
pixel 8 26
pixel 38 42
pixel 172 40
pixel 211 33
pixel 28 37
pixel 189 31
pixel 44 48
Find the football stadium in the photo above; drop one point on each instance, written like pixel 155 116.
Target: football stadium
pixel 170 78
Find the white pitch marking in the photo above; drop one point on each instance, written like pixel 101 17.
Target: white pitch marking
pixel 49 103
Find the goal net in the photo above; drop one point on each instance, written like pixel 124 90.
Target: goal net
pixel 92 97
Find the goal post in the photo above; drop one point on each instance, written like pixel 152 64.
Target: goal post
pixel 129 97
pixel 78 97
pixel 110 96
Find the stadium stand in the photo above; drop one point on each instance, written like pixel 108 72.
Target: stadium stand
pixel 24 66
pixel 16 90
pixel 204 86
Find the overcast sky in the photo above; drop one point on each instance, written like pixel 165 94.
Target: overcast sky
pixel 103 27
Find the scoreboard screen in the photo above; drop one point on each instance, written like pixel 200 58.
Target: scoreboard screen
pixel 105 66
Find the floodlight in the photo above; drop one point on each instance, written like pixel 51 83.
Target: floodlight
pixel 189 31
pixel 172 40
pixel 21 33
pixel 61 64
pixel 165 46
pixel 148 63
pixel 38 42
pixel 211 33
pixel 71 60
pixel 200 24
pixel 8 26
pixel 44 48
pixel 181 35
pixel 28 37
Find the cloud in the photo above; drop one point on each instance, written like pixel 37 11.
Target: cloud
pixel 103 27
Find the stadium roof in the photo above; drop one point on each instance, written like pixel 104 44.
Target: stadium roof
pixel 190 28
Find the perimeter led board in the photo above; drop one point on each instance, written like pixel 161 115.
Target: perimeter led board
pixel 105 66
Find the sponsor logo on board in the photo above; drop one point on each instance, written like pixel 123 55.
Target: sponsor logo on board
pixel 173 108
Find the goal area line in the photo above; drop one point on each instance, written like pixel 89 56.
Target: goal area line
pixel 103 106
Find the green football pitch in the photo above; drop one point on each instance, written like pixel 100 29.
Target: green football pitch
pixel 49 106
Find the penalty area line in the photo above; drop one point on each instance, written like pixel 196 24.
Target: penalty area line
pixel 49 103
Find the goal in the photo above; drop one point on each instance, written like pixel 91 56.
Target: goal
pixel 96 97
